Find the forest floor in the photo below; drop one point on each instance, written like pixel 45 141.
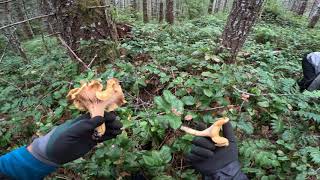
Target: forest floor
pixel 164 67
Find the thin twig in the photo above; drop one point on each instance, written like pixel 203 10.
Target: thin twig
pixel 72 52
pixel 10 37
pixel 244 92
pixel 52 34
pixel 4 51
pixel 266 94
pixel 93 59
pixel 12 85
pixel 210 109
pixel 26 20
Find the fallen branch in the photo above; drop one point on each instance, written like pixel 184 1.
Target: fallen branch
pixel 72 52
pixel 244 92
pixel 265 94
pixel 20 22
pixel 211 109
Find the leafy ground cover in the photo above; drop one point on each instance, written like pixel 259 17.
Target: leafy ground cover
pixel 169 72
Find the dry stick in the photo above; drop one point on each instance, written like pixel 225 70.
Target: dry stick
pixel 53 34
pixel 93 59
pixel 266 94
pixel 20 22
pixel 210 109
pixel 72 52
pixel 234 87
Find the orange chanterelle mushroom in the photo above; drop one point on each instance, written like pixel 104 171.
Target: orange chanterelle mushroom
pixel 91 97
pixel 212 132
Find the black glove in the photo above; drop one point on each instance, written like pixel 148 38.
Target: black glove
pixel 216 162
pixel 73 139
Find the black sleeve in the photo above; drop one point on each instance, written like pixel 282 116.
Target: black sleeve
pixel 230 172
pixel 308 74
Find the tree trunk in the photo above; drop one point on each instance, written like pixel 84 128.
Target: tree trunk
pixel 240 21
pixel 294 5
pixel 225 5
pixel 154 8
pixel 210 7
pixel 134 5
pixel 145 11
pixel 46 7
pixel 27 15
pixel 217 6
pixel 10 33
pixel 169 12
pixel 302 8
pixel 313 8
pixel 161 12
pixel 315 18
pixel 110 23
pixel 27 31
pixel 149 9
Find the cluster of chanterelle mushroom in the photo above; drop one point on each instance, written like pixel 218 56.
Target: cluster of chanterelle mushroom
pixel 92 98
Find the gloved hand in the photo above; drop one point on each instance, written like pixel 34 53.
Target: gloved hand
pixel 73 139
pixel 216 162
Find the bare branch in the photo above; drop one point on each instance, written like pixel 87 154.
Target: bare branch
pixel 20 22
pixel 3 2
pixel 94 7
pixel 72 52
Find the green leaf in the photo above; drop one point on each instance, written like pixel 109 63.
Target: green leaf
pixel 168 96
pixel 150 161
pixel 277 126
pixel 165 153
pixel 188 100
pixel 264 104
pixel 245 126
pixel 163 177
pixel 208 74
pixel 170 120
pixel 176 104
pixel 208 92
pixel 162 104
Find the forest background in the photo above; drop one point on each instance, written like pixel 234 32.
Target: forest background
pixel 179 62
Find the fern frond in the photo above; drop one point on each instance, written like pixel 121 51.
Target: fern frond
pixel 314 153
pixel 308 115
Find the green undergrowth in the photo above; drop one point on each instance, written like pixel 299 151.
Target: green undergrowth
pixel 168 73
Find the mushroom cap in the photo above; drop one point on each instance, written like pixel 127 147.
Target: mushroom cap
pixel 91 92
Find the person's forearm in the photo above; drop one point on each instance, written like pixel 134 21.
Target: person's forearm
pixel 20 164
pixel 231 172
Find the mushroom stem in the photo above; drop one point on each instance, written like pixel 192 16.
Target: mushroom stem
pixel 212 132
pixel 204 133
